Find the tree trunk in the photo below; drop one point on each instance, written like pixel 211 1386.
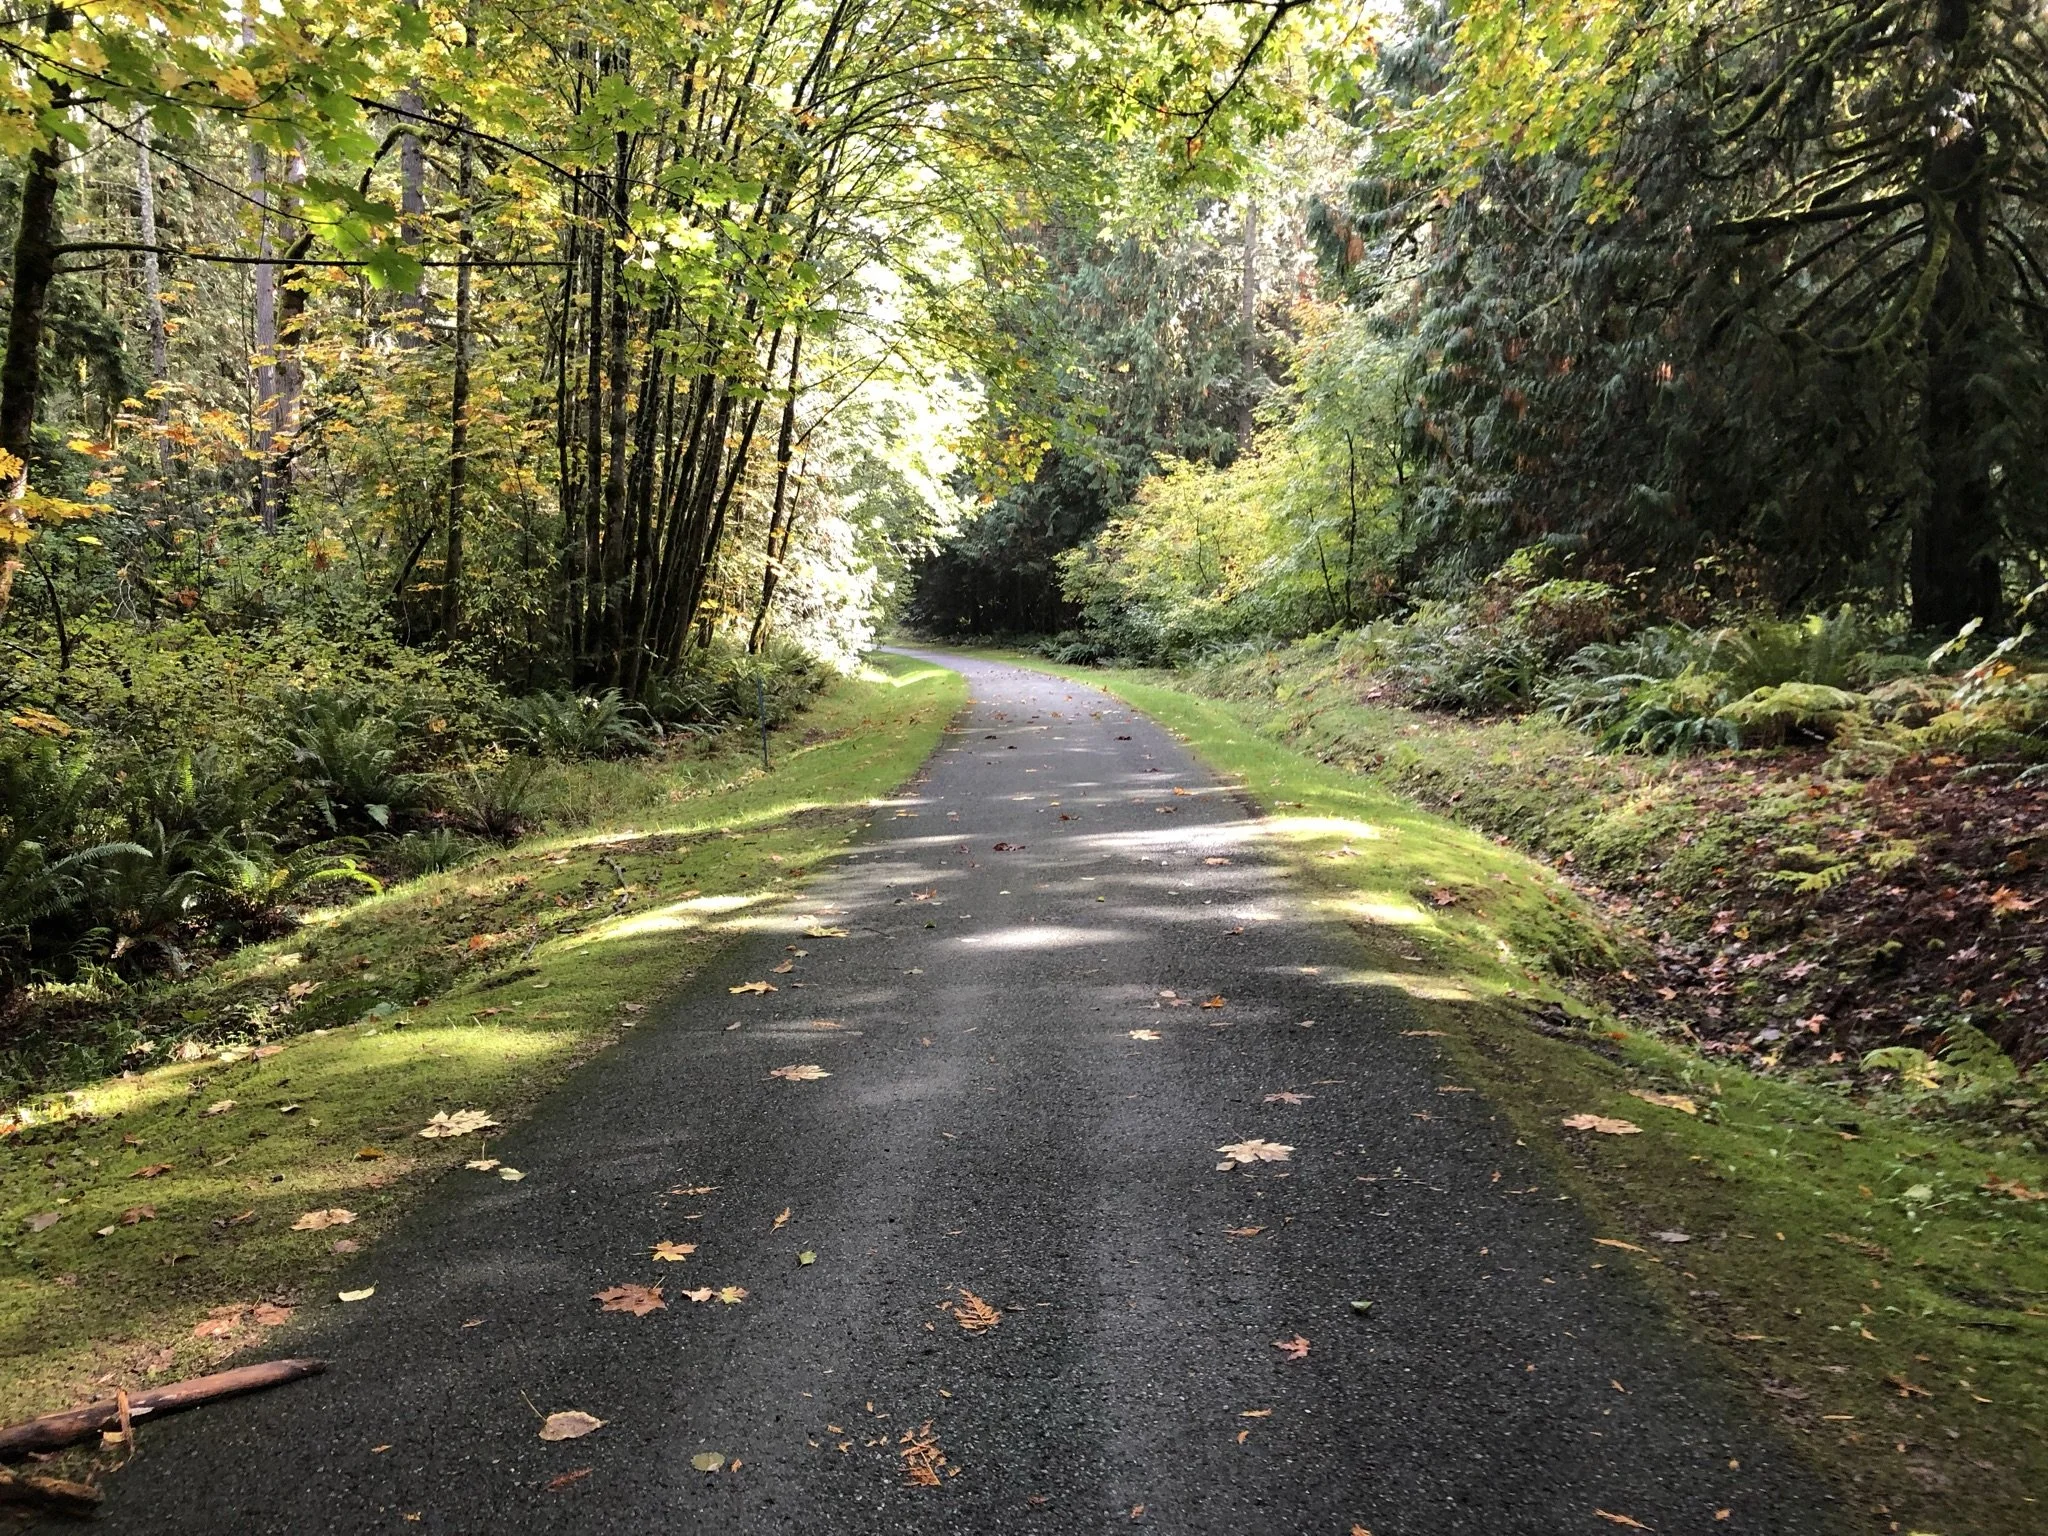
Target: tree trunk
pixel 152 291
pixel 1954 562
pixel 458 409
pixel 35 264
pixel 264 353
pixel 1249 300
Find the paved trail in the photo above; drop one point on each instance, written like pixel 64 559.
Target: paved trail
pixel 992 1123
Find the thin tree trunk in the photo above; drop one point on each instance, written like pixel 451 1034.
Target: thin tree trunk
pixel 263 417
pixel 35 264
pixel 1249 304
pixel 458 408
pixel 152 290
pixel 784 442
pixel 1954 562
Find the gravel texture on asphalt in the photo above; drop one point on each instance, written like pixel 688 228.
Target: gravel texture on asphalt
pixel 1055 980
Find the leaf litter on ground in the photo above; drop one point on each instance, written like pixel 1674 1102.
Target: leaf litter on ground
pixel 1245 1153
pixel 462 1122
pixel 572 1424
pixel 972 1313
pixel 636 1299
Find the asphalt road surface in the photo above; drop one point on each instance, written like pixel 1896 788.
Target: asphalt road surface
pixel 1026 1098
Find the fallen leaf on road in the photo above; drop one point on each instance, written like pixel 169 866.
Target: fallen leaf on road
pixel 1672 1237
pixel 151 1172
pixel 1612 1519
pixel 572 1425
pixel 807 1257
pixel 1215 861
pixel 568 1479
pixel 1256 1151
pixel 1295 1348
pixel 807 1072
pixel 973 1314
pixel 824 933
pixel 755 987
pixel 783 969
pixel 1008 847
pixel 463 1122
pixel 781 1221
pixel 1603 1124
pixel 482 1164
pixel 1214 1002
pixel 1615 1242
pixel 1422 1034
pixel 320 1221
pixel 1677 1101
pixel 1179 791
pixel 922 1457
pixel 708 1461
pixel 363 1295
pixel 732 1295
pixel 673 1253
pixel 270 1315
pixel 510 1175
pixel 1242 1231
pixel 1256 1413
pixel 1144 1034
pixel 1288 1098
pixel 695 1189
pixel 1906 1388
pixel 636 1299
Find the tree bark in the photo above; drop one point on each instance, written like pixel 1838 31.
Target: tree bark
pixel 152 290
pixel 1249 301
pixel 458 431
pixel 1954 559
pixel 264 353
pixel 35 264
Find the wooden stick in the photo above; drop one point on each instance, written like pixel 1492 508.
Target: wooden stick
pixel 55 1494
pixel 55 1430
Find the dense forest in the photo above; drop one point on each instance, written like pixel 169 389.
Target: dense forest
pixel 400 397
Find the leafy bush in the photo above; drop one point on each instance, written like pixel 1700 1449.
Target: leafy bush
pixel 575 725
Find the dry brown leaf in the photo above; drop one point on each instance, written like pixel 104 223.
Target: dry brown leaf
pixel 673 1253
pixel 1603 1124
pixel 1295 1348
pixel 572 1425
pixel 1677 1101
pixel 824 933
pixel 1255 1151
pixel 636 1299
pixel 783 969
pixel 270 1315
pixel 42 1221
pixel 1615 1242
pixel 136 1213
pixel 568 1479
pixel 482 1164
pixel 1242 1231
pixel 755 987
pixel 1144 1034
pixel 973 1314
pixel 1288 1098
pixel 1214 1002
pixel 702 1293
pixel 922 1458
pixel 154 1170
pixel 1613 1519
pixel 218 1107
pixel 806 1072
pixel 1443 896
pixel 781 1221
pixel 320 1221
pixel 463 1122
pixel 1215 861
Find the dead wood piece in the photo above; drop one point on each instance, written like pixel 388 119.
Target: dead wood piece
pixel 53 1495
pixel 53 1431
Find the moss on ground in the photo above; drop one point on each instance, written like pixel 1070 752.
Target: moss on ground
pixel 1852 1264
pixel 477 988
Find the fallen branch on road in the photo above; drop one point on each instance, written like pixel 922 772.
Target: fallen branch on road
pixel 53 1431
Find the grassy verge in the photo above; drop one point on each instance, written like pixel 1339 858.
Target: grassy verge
pixel 175 1191
pixel 1845 1260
